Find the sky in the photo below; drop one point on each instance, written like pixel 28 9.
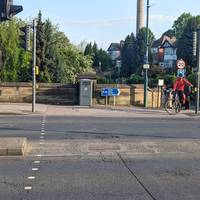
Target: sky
pixel 105 21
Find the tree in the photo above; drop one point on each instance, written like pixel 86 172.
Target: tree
pixel 58 59
pixel 88 50
pixel 128 55
pixel 95 56
pixel 101 59
pixel 185 42
pixel 15 61
pixel 141 48
pixel 180 24
pixel 104 60
pixel 170 33
pixel 49 64
pixel 71 63
pixel 40 51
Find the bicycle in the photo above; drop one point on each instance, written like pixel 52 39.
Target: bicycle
pixel 173 104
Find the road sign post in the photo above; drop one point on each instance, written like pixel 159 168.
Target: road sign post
pixel 113 92
pixel 105 93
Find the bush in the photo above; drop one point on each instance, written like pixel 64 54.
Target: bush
pixel 192 78
pixel 135 79
pixel 168 79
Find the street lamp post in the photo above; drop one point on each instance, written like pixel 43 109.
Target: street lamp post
pixel 146 60
pixel 198 70
pixel 34 67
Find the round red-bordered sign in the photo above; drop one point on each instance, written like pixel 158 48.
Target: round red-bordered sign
pixel 181 64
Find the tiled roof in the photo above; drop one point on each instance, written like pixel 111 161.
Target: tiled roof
pixel 115 47
pixel 158 43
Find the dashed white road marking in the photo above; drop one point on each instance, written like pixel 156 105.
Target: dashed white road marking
pixel 35 169
pixel 36 162
pixel 28 188
pixel 39 155
pixel 31 177
pixel 41 137
pixel 42 133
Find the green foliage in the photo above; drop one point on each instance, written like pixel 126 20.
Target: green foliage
pixel 135 79
pixel 102 80
pixel 58 60
pixel 180 24
pixel 105 60
pixel 193 79
pixel 128 55
pixel 88 49
pixel 134 51
pixel 71 63
pixel 170 33
pixel 101 59
pixel 169 79
pixel 155 71
pixel 15 61
pixel 185 43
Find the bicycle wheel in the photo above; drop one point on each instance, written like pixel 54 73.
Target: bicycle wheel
pixel 177 106
pixel 170 107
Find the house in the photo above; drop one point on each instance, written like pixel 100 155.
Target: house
pixel 164 52
pixel 114 51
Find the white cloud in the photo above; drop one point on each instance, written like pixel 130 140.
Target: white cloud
pixel 117 21
pixel 162 18
pixel 101 22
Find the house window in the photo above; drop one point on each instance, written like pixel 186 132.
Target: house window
pixel 154 50
pixel 168 51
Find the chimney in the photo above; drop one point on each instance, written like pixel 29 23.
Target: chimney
pixel 140 15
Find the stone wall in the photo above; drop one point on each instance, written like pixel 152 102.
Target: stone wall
pixel 69 94
pixel 137 96
pixel 123 100
pixel 45 93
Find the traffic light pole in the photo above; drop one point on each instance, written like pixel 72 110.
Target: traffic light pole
pixel 146 59
pixel 198 71
pixel 34 66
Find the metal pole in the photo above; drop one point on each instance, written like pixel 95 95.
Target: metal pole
pixel 34 65
pixel 198 72
pixel 146 58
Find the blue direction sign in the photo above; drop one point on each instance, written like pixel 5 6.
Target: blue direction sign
pixel 115 92
pixel 105 92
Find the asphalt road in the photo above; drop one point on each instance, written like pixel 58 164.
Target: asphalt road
pixel 142 178
pixel 145 177
pixel 102 127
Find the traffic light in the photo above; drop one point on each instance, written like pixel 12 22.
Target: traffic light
pixel 8 10
pixel 37 71
pixel 25 37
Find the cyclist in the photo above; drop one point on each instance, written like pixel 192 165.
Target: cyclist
pixel 179 87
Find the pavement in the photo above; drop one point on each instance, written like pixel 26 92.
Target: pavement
pixel 108 147
pixel 13 146
pixel 20 109
pixel 16 146
pixel 96 111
